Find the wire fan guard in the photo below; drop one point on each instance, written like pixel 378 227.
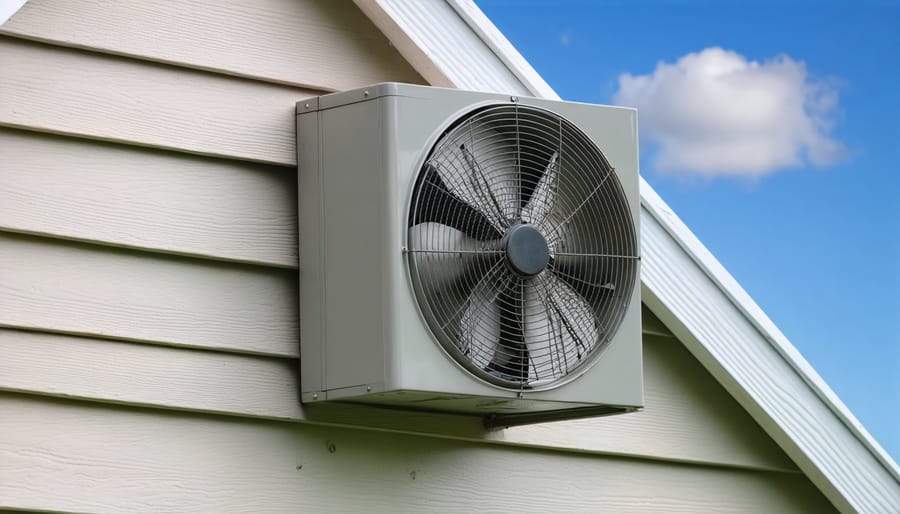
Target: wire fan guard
pixel 521 246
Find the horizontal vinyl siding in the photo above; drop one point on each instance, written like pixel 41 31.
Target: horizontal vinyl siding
pixel 319 44
pixel 148 199
pixel 148 247
pixel 73 457
pixel 83 289
pixel 167 201
pixel 53 89
pixel 687 416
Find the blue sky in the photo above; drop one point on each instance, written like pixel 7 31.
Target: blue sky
pixel 787 169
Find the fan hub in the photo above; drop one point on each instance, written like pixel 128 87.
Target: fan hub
pixel 526 250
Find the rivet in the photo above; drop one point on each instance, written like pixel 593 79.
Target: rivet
pixel 520 394
pixel 514 99
pixel 368 388
pixel 315 396
pixel 306 105
pixel 365 93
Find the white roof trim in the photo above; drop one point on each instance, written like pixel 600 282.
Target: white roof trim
pixel 8 8
pixel 682 282
pixel 471 62
pixel 503 49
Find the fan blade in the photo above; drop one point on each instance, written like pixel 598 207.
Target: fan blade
pixel 443 254
pixel 482 172
pixel 439 204
pixel 538 208
pixel 509 362
pixel 480 325
pixel 541 329
pixel 559 327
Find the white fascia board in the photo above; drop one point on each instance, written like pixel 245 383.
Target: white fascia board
pixel 8 8
pixel 502 49
pixel 440 45
pixel 683 284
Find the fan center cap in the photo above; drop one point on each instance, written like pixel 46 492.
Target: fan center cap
pixel 526 250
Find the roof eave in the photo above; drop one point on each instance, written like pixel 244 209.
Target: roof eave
pixel 8 8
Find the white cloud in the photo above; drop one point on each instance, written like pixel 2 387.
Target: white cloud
pixel 715 113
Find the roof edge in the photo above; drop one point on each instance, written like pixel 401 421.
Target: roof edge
pixel 8 8
pixel 502 48
pixel 861 478
pixel 711 266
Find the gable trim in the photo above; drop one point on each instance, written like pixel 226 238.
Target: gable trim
pixel 683 284
pixel 8 8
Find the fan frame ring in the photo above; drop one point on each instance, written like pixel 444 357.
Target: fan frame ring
pixel 451 350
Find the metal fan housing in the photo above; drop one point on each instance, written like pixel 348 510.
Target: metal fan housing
pixel 365 336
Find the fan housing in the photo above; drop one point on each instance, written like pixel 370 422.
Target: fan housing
pixel 469 252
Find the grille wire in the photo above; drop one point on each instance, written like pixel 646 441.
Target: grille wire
pixel 494 169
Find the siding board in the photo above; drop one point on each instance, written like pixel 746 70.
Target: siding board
pixel 327 45
pixel 147 199
pixel 652 325
pixel 222 337
pixel 71 457
pixel 688 417
pixel 85 289
pixel 60 90
pixel 686 413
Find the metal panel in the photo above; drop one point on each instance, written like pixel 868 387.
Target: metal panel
pixel 311 285
pixel 353 207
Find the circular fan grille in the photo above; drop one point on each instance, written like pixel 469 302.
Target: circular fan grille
pixel 521 245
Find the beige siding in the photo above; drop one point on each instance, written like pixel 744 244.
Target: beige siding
pixel 148 199
pixel 148 246
pixel 688 417
pixel 62 456
pixel 323 44
pixel 75 288
pixel 54 89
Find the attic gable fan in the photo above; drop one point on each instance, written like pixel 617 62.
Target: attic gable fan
pixel 469 252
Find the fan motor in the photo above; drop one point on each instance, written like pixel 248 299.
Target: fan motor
pixel 526 249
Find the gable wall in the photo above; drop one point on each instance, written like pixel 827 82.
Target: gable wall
pixel 148 260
